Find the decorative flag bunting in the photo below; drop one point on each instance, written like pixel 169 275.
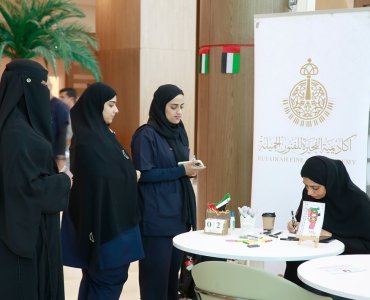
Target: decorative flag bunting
pixel 230 62
pixel 203 60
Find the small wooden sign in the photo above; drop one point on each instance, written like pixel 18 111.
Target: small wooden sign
pixel 216 226
pixel 217 222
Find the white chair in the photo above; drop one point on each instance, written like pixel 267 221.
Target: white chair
pixel 215 280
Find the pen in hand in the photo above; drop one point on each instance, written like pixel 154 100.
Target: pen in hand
pixel 294 222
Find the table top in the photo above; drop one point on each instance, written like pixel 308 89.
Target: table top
pixel 343 275
pixel 270 249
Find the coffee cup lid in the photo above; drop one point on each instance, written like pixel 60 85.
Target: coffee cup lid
pixel 269 214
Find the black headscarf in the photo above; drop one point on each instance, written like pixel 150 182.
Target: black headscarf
pixel 103 200
pixel 177 138
pixel 347 207
pixel 87 114
pixel 22 80
pixel 31 192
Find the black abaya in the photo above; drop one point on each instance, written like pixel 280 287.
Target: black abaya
pixel 32 193
pixel 103 201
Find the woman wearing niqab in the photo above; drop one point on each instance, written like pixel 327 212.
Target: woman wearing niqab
pixel 32 192
pixel 347 207
pixel 100 231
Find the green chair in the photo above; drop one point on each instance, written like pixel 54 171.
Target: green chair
pixel 215 280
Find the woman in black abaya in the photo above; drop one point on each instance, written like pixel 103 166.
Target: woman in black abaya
pixel 100 231
pixel 32 192
pixel 347 207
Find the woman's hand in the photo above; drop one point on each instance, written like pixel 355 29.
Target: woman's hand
pixel 66 171
pixel 191 169
pixel 61 162
pixel 325 233
pixel 291 228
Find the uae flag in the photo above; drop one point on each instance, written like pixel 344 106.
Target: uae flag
pixel 203 60
pixel 230 59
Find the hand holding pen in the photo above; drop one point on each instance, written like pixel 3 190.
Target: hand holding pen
pixel 293 226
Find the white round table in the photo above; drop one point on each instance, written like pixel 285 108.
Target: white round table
pixel 344 275
pixel 228 247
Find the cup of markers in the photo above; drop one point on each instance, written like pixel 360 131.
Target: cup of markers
pixel 247 220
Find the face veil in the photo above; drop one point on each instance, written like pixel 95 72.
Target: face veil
pixel 25 80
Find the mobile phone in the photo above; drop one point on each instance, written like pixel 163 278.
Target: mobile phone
pixel 198 163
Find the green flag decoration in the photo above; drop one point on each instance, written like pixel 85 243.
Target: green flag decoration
pixel 230 63
pixel 203 60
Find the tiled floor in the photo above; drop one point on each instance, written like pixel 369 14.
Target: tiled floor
pixel 72 279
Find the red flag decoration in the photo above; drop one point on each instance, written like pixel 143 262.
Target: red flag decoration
pixel 230 61
pixel 203 60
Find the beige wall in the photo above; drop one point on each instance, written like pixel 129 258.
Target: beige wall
pixel 167 53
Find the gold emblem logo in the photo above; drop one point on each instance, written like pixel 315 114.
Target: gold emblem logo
pixel 308 103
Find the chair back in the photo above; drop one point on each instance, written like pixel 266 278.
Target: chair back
pixel 215 280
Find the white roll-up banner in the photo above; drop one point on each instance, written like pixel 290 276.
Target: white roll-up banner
pixel 312 92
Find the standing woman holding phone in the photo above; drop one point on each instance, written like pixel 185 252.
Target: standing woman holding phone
pixel 166 195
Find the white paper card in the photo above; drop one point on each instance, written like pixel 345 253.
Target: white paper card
pixel 312 218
